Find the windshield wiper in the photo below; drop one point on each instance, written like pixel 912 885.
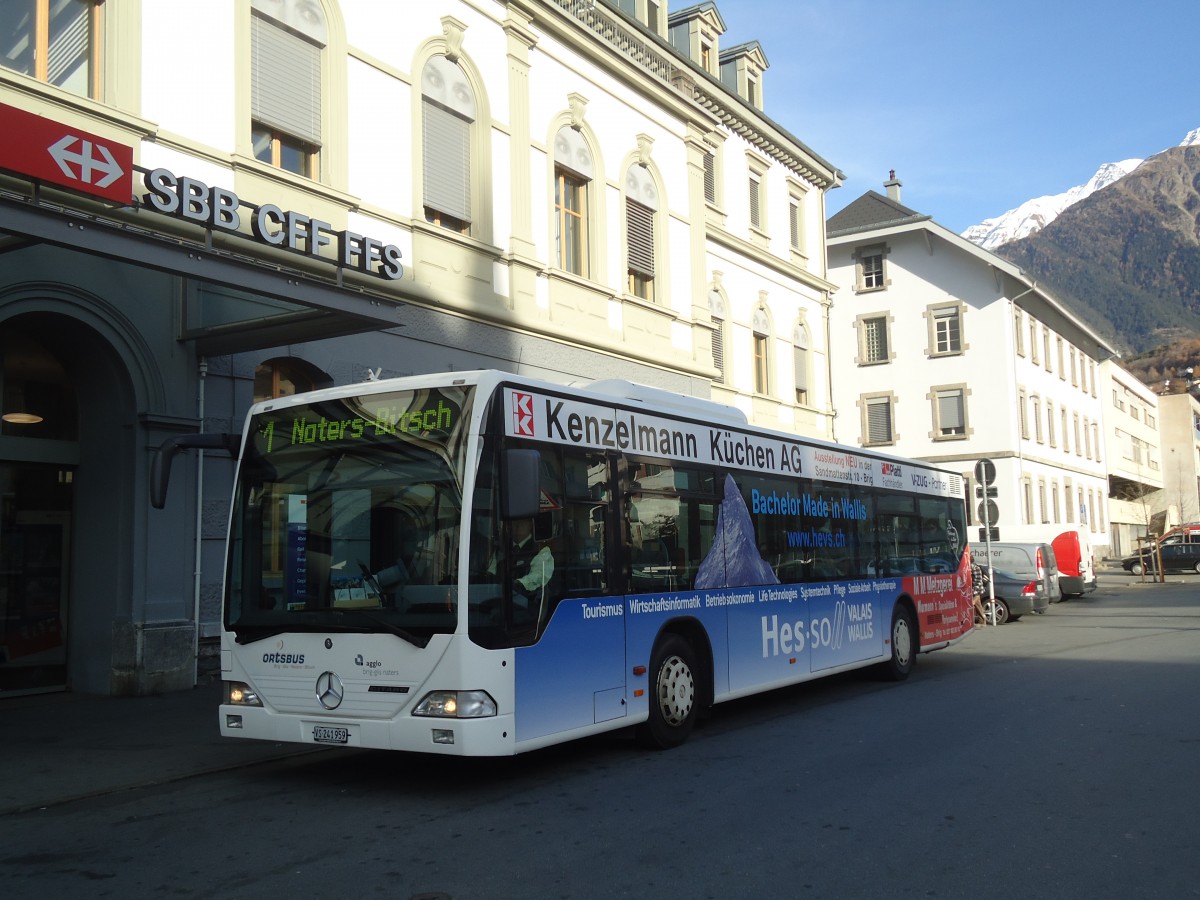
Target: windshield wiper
pixel 248 634
pixel 395 629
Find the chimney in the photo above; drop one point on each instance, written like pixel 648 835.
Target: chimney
pixel 893 186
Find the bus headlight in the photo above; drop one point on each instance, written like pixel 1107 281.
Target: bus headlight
pixel 456 705
pixel 239 694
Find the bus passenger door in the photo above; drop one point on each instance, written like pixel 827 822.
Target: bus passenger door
pixel 573 676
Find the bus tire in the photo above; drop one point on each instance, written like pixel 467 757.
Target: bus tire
pixel 674 694
pixel 905 640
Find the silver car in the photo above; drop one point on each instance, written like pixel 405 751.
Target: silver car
pixel 1016 596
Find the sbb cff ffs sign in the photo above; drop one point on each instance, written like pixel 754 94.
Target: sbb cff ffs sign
pixel 61 154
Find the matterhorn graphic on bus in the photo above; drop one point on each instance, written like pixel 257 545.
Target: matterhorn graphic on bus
pixel 734 560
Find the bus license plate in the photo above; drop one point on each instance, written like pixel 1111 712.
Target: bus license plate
pixel 330 734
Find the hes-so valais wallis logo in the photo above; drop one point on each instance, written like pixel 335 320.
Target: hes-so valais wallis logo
pixel 522 413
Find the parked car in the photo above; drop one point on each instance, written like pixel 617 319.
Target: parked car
pixel 1017 595
pixel 1033 561
pixel 1180 551
pixel 1076 562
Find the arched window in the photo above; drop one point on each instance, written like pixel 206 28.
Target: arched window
pixel 287 84
pixel 284 376
pixel 641 208
pixel 574 170
pixel 717 310
pixel 448 111
pixel 761 328
pixel 800 359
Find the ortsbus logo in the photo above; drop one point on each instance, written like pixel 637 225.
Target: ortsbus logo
pixel 522 413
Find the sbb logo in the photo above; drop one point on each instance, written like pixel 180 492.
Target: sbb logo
pixel 522 413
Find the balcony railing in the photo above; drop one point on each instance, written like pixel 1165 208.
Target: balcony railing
pixel 624 39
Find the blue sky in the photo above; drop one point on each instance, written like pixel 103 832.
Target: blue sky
pixel 978 105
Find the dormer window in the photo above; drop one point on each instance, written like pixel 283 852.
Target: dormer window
pixel 742 69
pixel 695 32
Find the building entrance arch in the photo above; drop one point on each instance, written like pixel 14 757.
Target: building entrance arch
pixel 68 459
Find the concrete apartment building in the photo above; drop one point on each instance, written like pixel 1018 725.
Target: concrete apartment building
pixel 952 354
pixel 205 204
pixel 1179 423
pixel 1133 448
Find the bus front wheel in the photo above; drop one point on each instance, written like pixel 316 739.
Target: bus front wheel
pixel 673 696
pixel 905 642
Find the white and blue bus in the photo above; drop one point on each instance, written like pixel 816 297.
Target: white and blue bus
pixel 482 564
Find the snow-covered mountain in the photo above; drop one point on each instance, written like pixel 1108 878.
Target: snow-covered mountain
pixel 1034 215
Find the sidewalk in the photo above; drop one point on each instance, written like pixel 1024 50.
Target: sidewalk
pixel 60 747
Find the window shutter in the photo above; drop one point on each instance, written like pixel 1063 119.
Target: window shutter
pixel 447 164
pixel 718 350
pixel 801 363
pixel 755 203
pixel 794 225
pixel 879 421
pixel 285 93
pixel 68 50
pixel 639 225
pixel 710 177
pixel 950 413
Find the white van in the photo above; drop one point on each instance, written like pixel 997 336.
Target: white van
pixel 1076 562
pixel 1033 559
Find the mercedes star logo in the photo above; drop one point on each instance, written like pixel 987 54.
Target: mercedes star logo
pixel 329 690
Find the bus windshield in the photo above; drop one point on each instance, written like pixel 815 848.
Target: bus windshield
pixel 346 516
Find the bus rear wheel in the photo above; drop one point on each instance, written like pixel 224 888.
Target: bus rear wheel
pixel 905 642
pixel 673 694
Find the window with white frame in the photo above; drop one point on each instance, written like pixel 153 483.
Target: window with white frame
pixel 869 268
pixel 286 88
pixel 1050 423
pixel 945 330
pixel 1019 331
pixel 1037 418
pixel 1023 413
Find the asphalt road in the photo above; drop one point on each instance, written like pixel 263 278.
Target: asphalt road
pixel 1051 757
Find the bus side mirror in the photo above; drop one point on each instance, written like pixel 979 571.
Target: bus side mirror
pixel 160 461
pixel 521 482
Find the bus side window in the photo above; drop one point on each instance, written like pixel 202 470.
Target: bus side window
pixel 585 507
